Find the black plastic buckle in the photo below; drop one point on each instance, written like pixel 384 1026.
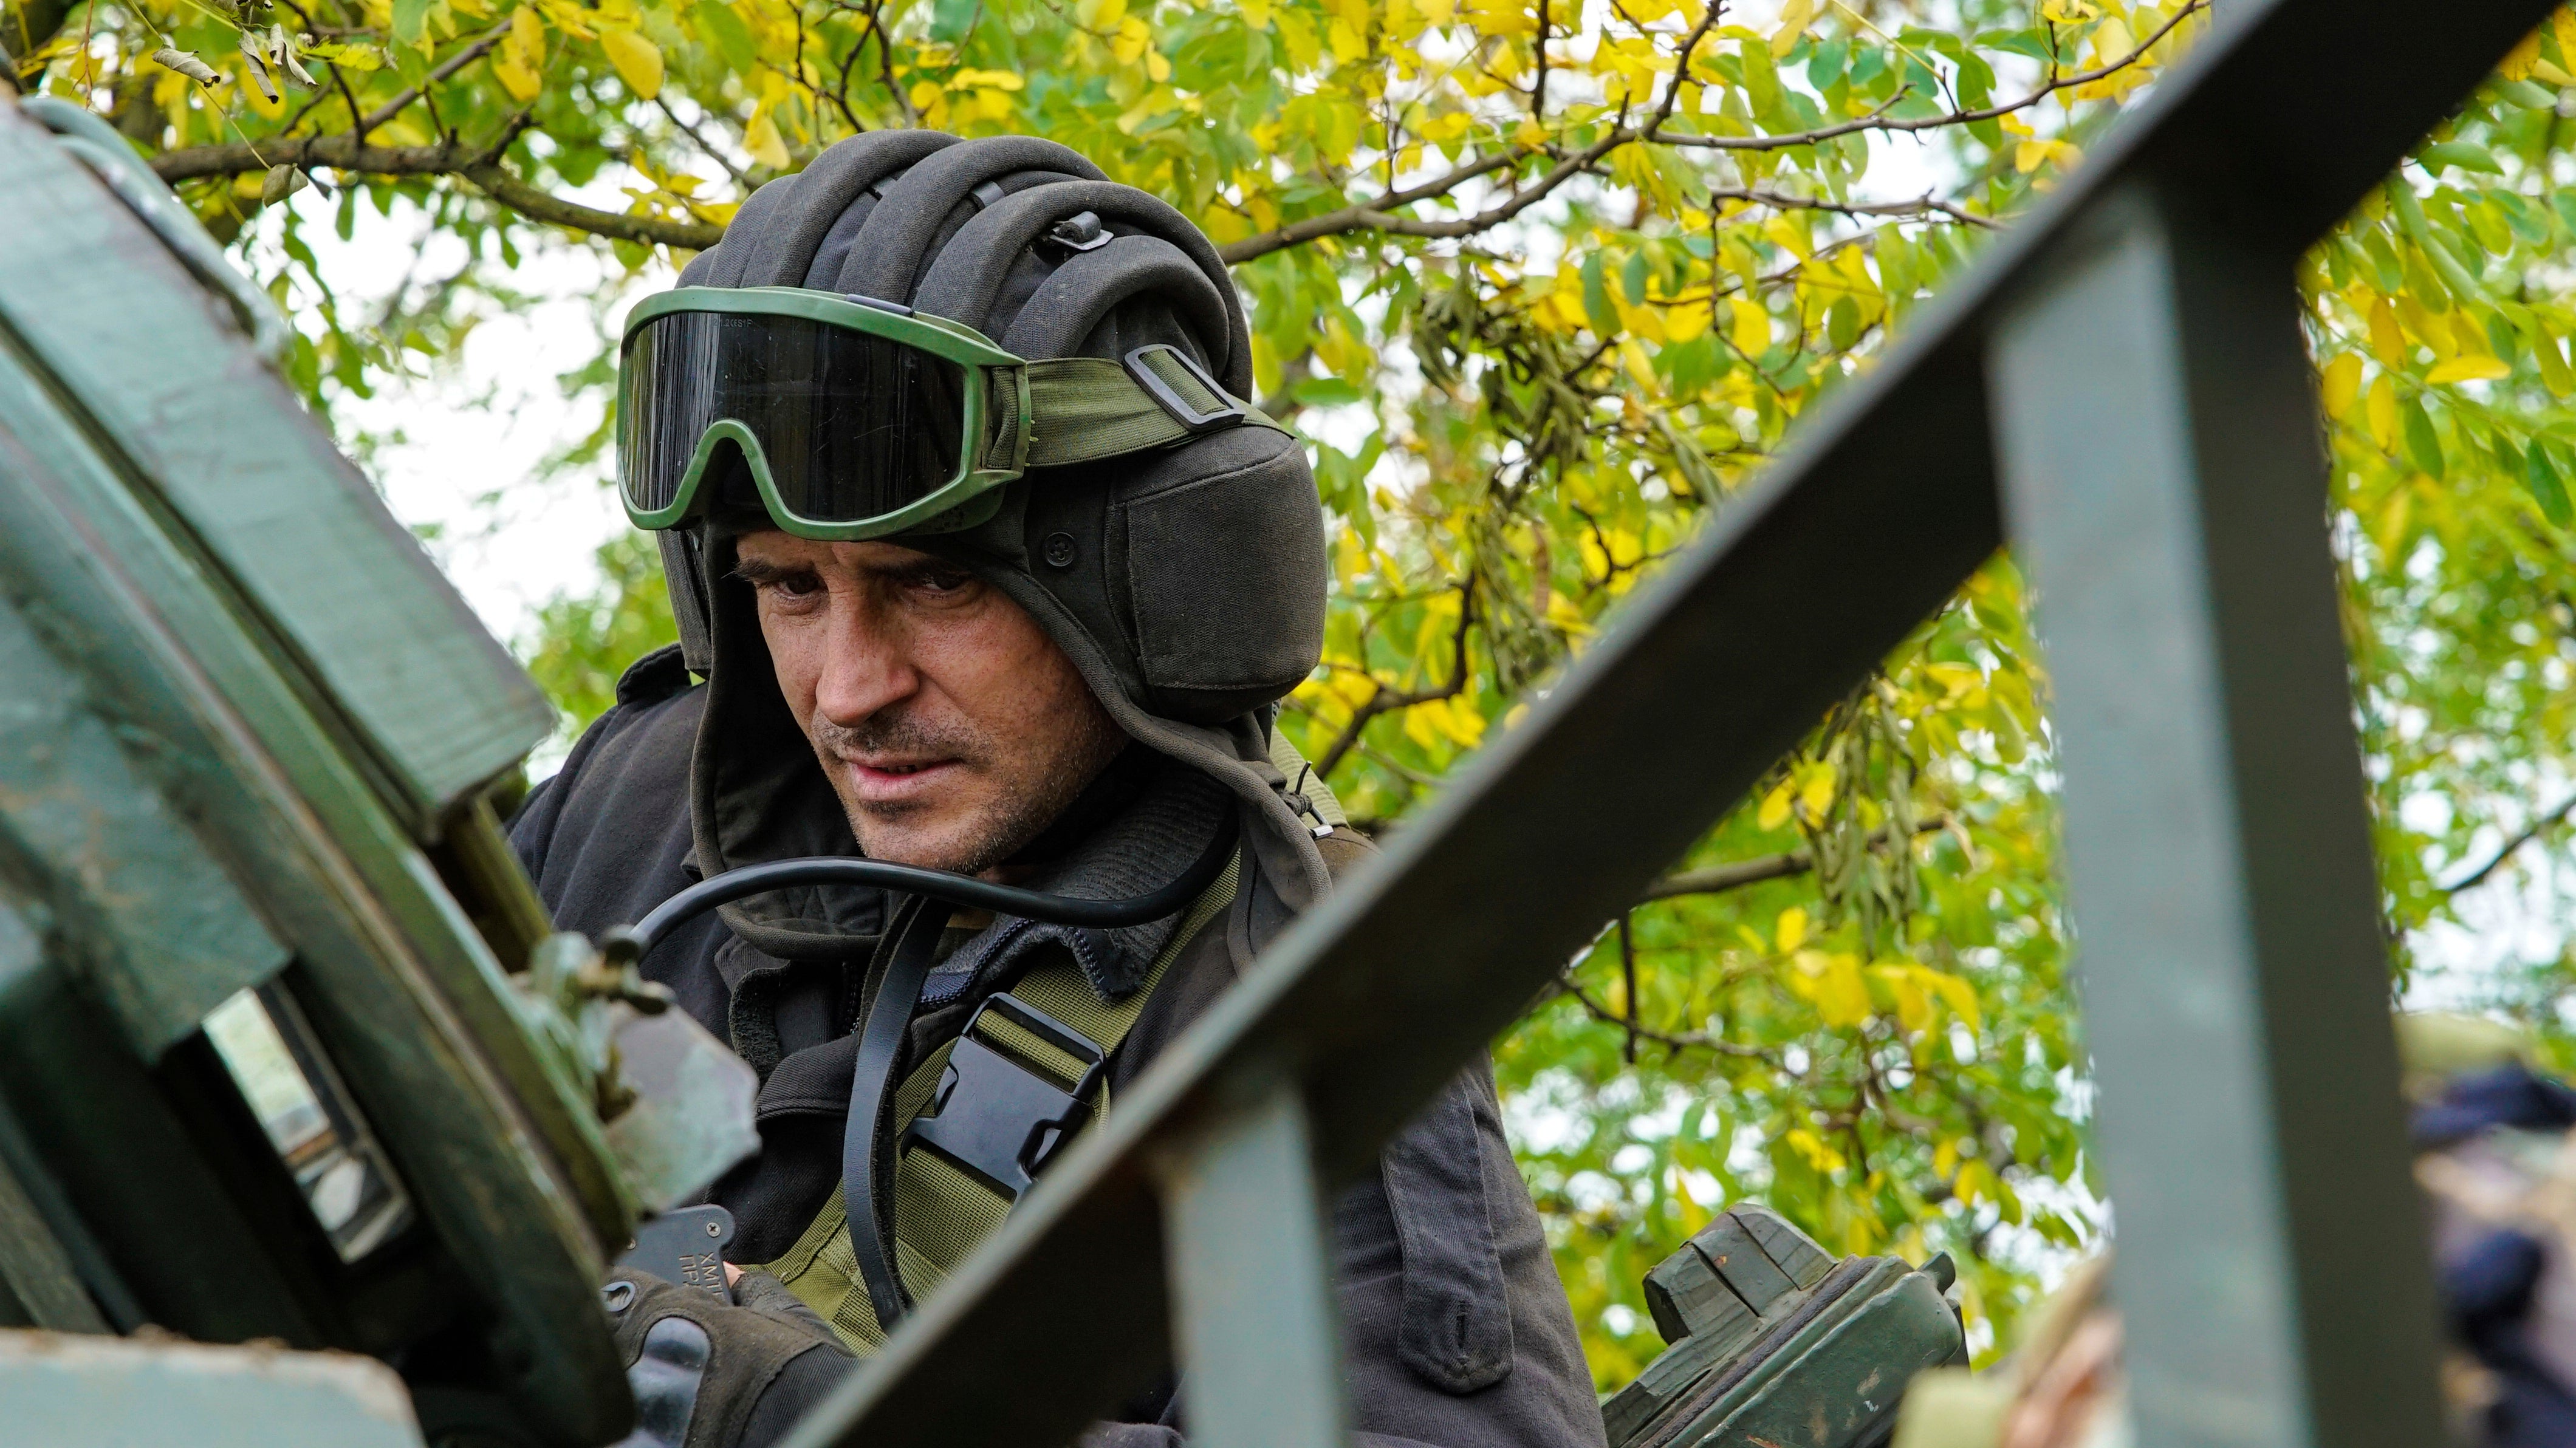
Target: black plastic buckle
pixel 1169 398
pixel 1000 1120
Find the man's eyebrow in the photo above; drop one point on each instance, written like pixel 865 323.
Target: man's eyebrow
pixel 757 571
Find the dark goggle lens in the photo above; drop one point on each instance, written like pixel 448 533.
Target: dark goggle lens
pixel 853 426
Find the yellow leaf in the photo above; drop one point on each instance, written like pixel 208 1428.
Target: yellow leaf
pixel 760 138
pixel 1425 722
pixel 2468 367
pixel 1816 790
pixel 2386 342
pixel 1684 323
pixel 1976 1179
pixel 1791 931
pixel 1256 13
pixel 1842 997
pixel 521 82
pixel 925 93
pixel 1820 1156
pixel 2111 42
pixel 1955 992
pixel 1348 44
pixel 1752 331
pixel 1775 806
pixel 2554 373
pixel 2422 324
pixel 1099 14
pixel 2517 61
pixel 1913 1006
pixel 1945 1159
pixel 1633 357
pixel 639 64
pixel 1464 724
pixel 526 42
pixel 1529 133
pixel 1795 17
pixel 2341 383
pixel 2383 412
pixel 1128 45
pixel 1158 67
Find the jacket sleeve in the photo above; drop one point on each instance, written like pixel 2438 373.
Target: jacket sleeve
pixel 1455 1329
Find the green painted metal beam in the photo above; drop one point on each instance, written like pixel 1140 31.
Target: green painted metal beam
pixel 2168 496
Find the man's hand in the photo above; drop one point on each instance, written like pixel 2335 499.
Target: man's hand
pixel 711 1374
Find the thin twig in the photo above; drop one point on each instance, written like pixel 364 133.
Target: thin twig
pixel 1719 879
pixel 1669 1040
pixel 712 153
pixel 1388 701
pixel 1628 975
pixel 2534 831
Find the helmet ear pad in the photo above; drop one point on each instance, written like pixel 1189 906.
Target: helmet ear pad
pixel 1199 570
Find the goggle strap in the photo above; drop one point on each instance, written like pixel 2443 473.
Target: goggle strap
pixel 1088 408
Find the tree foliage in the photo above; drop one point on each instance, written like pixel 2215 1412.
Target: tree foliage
pixel 1544 283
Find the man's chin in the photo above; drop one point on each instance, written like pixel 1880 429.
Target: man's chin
pixel 911 840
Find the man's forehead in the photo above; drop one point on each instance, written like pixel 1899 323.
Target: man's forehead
pixel 777 548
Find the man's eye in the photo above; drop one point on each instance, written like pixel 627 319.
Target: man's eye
pixel 794 585
pixel 940 585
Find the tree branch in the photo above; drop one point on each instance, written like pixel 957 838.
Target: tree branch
pixel 1388 701
pixel 2534 831
pixel 1357 218
pixel 479 165
pixel 481 47
pixel 1719 879
pixel 1878 121
pixel 1669 1040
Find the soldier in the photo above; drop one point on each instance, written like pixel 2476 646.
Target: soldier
pixel 1029 624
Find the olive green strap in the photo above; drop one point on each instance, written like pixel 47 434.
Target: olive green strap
pixel 1088 408
pixel 940 1212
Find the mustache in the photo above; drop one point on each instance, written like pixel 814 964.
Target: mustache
pixel 895 731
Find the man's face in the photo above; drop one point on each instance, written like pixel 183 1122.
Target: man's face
pixel 953 729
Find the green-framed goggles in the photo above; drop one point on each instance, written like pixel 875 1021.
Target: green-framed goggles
pixel 860 419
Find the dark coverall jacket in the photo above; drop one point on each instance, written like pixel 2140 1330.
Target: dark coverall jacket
pixel 1455 1329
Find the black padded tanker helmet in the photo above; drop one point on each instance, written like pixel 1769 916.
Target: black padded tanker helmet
pixel 1185 582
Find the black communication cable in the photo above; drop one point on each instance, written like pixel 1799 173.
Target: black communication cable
pixel 633 942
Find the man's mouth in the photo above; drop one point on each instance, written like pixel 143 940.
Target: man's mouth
pixel 895 776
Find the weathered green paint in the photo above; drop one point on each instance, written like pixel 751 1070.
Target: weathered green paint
pixel 396 666
pixel 90 1392
pixel 1252 1276
pixel 158 930
pixel 218 634
pixel 2161 449
pixel 39 1286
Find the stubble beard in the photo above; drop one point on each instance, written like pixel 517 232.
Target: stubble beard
pixel 1033 791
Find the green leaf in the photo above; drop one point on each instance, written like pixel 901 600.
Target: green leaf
pixel 1327 392
pixel 1842 324
pixel 2460 154
pixel 1632 278
pixel 2527 95
pixel 1826 66
pixel 1596 296
pixel 725 31
pixel 2543 483
pixel 950 20
pixel 411 24
pixel 2423 444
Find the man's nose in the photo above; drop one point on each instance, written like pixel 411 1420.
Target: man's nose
pixel 865 667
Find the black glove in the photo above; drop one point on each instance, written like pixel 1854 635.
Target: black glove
pixel 712 1374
